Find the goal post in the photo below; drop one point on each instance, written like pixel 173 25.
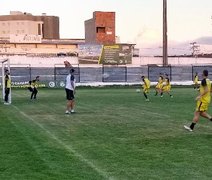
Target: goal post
pixel 5 65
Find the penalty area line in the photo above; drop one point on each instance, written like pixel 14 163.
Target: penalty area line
pixel 67 147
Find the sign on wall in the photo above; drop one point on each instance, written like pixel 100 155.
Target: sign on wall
pixel 116 54
pixel 89 52
pixel 106 54
pixel 21 38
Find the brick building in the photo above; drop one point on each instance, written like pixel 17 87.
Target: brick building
pixel 101 28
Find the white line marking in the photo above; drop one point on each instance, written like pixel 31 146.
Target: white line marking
pixel 67 147
pixel 157 114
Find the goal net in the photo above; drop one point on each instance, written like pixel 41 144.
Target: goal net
pixel 5 65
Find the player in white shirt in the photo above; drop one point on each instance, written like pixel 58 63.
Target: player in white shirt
pixel 70 91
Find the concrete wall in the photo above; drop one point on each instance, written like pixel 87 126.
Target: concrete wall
pixel 172 61
pixel 40 61
pixel 37 48
pixel 28 24
pixel 19 27
pixel 50 27
pixel 90 32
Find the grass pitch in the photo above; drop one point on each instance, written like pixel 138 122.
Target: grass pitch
pixel 114 134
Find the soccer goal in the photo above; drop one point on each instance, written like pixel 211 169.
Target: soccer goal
pixel 5 65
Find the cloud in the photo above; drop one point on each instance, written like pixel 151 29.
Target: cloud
pixel 147 37
pixel 204 40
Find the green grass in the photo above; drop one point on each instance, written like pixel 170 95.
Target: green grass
pixel 115 134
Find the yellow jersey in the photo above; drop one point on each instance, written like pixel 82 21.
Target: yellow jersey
pixel 166 82
pixel 34 84
pixel 196 79
pixel 207 97
pixel 7 81
pixel 146 83
pixel 160 80
pixel 160 83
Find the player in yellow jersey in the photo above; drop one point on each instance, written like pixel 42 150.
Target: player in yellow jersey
pixel 7 81
pixel 203 101
pixel 166 87
pixel 145 86
pixel 158 87
pixel 196 79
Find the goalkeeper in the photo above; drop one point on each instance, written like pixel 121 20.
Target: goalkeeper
pixel 33 88
pixel 7 81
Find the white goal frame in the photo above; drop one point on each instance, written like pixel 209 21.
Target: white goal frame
pixel 5 64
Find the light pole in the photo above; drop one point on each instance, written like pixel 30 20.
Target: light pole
pixel 165 53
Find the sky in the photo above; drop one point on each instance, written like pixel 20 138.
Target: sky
pixel 137 21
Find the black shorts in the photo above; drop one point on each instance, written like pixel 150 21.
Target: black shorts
pixel 69 94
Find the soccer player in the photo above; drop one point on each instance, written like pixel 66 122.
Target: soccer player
pixel 7 81
pixel 196 79
pixel 166 75
pixel 29 87
pixel 34 86
pixel 166 87
pixel 158 88
pixel 70 91
pixel 203 101
pixel 145 86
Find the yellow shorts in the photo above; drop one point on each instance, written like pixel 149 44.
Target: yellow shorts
pixel 166 88
pixel 201 107
pixel 146 89
pixel 159 86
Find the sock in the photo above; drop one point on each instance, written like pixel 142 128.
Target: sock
pixel 161 94
pixel 192 125
pixel 210 119
pixel 156 93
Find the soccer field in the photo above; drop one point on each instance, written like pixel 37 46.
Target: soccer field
pixel 114 134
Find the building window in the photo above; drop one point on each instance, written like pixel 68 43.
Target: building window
pixel 100 29
pixel 17 31
pixel 3 32
pixel 42 29
pixel 39 29
pixel 3 24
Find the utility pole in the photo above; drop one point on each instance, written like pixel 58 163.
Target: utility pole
pixel 165 46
